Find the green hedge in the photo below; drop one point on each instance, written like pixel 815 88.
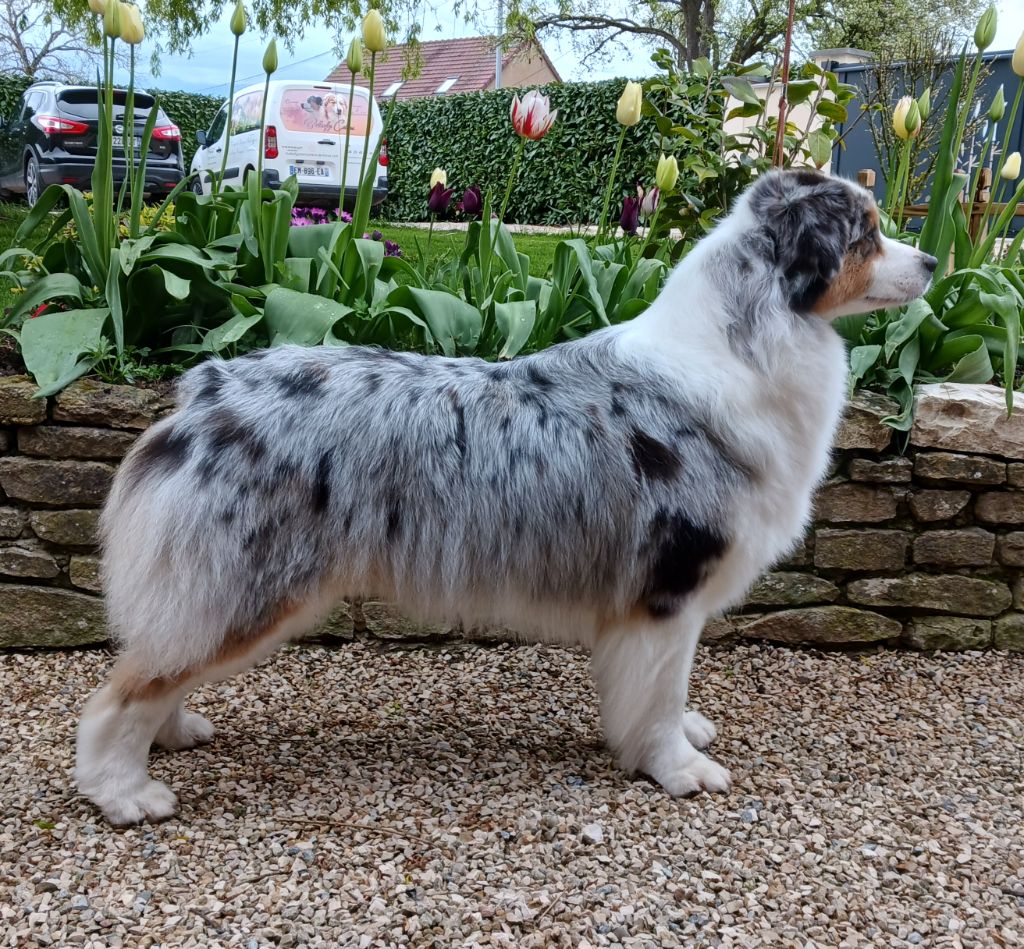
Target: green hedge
pixel 562 177
pixel 188 110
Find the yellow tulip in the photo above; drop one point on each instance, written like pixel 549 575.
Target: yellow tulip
pixel 112 19
pixel 667 174
pixel 238 19
pixel 439 176
pixel 1017 61
pixel 132 30
pixel 628 110
pixel 1011 167
pixel 906 119
pixel 98 6
pixel 373 33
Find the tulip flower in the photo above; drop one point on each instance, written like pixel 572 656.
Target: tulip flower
pixel 132 30
pixel 270 58
pixel 532 117
pixel 627 112
pixel 985 31
pixel 472 200
pixel 906 119
pixel 924 104
pixel 439 176
pixel 98 6
pixel 1016 61
pixel 998 107
pixel 354 60
pixel 650 202
pixel 630 217
pixel 238 19
pixel 668 172
pixel 1011 167
pixel 440 198
pixel 112 19
pixel 373 32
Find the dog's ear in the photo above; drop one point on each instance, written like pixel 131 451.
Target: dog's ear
pixel 808 219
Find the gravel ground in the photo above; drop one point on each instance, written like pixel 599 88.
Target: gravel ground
pixel 366 796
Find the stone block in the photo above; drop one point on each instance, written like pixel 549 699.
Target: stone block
pixel 68 441
pixel 1000 507
pixel 851 503
pixel 12 521
pixel 6 439
pixel 886 471
pixel 970 547
pixel 718 629
pixel 85 573
pixel 967 469
pixel 1008 632
pixel 92 402
pixel 23 562
pixel 791 589
pixel 948 632
pixel 49 617
pixel 949 593
pixel 966 418
pixel 65 483
pixel 67 528
pixel 1011 549
pixel 860 549
pixel 385 622
pixel 932 505
pixel 17 407
pixel 862 426
pixel 822 624
pixel 801 555
pixel 1015 474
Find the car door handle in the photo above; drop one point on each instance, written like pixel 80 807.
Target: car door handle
pixel 325 141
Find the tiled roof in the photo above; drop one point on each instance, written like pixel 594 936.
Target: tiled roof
pixel 470 61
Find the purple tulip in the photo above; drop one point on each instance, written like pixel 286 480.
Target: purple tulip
pixel 472 200
pixel 440 198
pixel 649 204
pixel 630 217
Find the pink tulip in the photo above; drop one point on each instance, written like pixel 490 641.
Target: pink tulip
pixel 532 118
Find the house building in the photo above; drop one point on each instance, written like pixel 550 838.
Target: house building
pixel 460 65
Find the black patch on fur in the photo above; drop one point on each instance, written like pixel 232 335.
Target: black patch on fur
pixel 162 453
pixel 372 381
pixel 652 459
pixel 681 552
pixel 226 430
pixel 213 383
pixel 537 378
pixel 303 382
pixel 618 408
pixel 394 520
pixel 506 423
pixel 460 425
pixel 256 355
pixel 322 483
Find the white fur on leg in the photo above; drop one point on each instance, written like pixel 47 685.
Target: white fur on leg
pixel 183 730
pixel 642 672
pixel 111 753
pixel 700 730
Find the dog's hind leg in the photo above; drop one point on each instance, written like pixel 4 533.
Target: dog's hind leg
pixel 642 670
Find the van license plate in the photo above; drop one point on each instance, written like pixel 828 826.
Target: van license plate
pixel 118 141
pixel 309 171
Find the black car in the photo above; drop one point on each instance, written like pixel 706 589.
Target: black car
pixel 51 139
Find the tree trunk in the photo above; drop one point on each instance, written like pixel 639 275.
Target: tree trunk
pixel 698 30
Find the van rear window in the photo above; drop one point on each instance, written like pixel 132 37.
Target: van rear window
pixel 322 111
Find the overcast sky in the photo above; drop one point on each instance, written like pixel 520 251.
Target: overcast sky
pixel 207 69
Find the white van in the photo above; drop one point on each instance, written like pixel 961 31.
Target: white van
pixel 304 137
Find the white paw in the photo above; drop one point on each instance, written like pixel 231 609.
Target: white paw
pixel 184 730
pixel 152 801
pixel 699 730
pixel 697 774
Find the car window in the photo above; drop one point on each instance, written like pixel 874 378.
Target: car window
pixel 246 114
pixel 217 128
pixel 31 103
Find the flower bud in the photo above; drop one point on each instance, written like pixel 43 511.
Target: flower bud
pixel 98 6
pixel 238 19
pixel 1017 60
pixel 373 32
pixel 998 106
pixel 354 60
pixel 1011 167
pixel 112 19
pixel 439 176
pixel 627 112
pixel 985 31
pixel 270 58
pixel 667 173
pixel 924 104
pixel 906 118
pixel 132 30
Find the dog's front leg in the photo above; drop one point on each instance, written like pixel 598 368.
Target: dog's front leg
pixel 642 671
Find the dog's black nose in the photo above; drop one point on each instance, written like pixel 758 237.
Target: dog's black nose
pixel 930 263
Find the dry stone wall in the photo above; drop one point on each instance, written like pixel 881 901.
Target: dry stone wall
pixel 919 544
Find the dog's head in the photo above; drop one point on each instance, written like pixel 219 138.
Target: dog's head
pixel 823 240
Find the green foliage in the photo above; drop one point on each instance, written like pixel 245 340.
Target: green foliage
pixel 470 136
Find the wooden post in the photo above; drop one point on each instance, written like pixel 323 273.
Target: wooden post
pixel 981 199
pixel 866 178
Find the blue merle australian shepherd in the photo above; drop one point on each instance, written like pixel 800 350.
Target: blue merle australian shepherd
pixel 614 491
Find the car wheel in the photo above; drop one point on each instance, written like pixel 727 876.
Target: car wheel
pixel 32 182
pixel 197 185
